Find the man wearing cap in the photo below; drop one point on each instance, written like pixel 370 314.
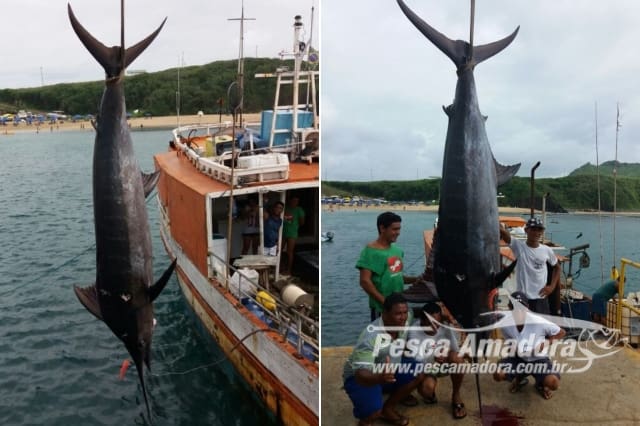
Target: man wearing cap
pixel 528 334
pixel 531 270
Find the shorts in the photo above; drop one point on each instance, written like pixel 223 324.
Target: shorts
pixel 368 399
pixel 540 306
pixel 538 376
pixel 270 251
pixel 599 304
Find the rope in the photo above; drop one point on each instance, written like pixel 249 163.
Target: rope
pixel 218 361
pixel 599 201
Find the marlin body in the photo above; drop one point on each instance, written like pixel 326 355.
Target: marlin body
pixel 124 290
pixel 466 244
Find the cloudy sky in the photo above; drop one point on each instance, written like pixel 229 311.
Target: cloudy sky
pixel 384 84
pixel 39 44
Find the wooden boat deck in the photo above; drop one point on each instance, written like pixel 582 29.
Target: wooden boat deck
pixel 605 394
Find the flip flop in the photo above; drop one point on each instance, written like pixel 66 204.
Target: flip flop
pixel 409 401
pixel 518 384
pixel 433 399
pixel 397 420
pixel 544 392
pixel 458 411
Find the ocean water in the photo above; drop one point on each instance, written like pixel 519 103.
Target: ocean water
pixel 345 310
pixel 58 364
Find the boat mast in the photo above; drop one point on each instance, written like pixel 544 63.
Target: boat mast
pixel 240 75
pixel 614 270
pixel 236 109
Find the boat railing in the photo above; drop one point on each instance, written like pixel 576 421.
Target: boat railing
pixel 622 302
pixel 292 322
pixel 268 167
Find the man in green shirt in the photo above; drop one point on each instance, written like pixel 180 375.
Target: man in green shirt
pixel 293 220
pixel 380 264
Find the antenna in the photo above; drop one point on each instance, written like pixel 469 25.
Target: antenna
pixel 122 33
pixel 473 13
pixel 241 58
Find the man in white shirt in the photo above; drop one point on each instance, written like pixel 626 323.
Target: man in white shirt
pixel 528 333
pixel 531 270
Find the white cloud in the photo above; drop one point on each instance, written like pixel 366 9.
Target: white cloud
pixel 384 78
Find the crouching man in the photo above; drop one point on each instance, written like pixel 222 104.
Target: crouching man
pixel 530 331
pixel 438 347
pixel 377 366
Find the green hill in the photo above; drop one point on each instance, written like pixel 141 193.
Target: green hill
pixel 200 88
pixel 606 169
pixel 578 191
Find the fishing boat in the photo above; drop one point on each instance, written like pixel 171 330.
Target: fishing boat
pixel 265 322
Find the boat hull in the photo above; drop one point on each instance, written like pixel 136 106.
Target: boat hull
pixel 259 358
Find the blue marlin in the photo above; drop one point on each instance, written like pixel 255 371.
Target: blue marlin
pixel 124 291
pixel 466 244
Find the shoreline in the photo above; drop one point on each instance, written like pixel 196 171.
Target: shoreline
pixel 411 208
pixel 434 209
pixel 167 122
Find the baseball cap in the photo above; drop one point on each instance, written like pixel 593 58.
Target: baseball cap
pixel 534 222
pixel 520 297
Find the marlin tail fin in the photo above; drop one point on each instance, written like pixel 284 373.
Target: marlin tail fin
pixel 115 59
pixel 458 51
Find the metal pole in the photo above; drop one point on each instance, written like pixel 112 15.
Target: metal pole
pixel 533 174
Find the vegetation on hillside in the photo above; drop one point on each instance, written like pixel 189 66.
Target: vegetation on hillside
pixel 574 192
pixel 200 89
pixel 607 168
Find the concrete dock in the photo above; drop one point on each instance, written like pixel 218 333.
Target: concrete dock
pixel 607 393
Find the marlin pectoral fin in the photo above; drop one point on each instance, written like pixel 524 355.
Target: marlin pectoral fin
pixel 499 278
pixel 149 181
pixel 155 289
pixel 88 296
pixel 505 173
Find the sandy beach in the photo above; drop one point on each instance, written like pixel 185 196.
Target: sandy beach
pixel 138 123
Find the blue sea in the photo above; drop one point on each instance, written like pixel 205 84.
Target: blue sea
pixel 345 309
pixel 58 364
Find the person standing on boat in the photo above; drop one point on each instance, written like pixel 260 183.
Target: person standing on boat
pixel 380 263
pixel 600 298
pixel 530 334
pixel 272 224
pixel 293 220
pixel 251 231
pixel 531 270
pixel 373 368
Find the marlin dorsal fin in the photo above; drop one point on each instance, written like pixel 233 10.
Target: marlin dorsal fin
pixel 458 50
pixel 505 173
